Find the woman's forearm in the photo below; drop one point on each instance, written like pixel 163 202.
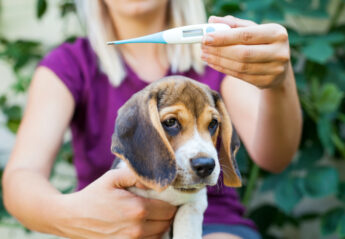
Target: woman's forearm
pixel 30 198
pixel 260 89
pixel 278 125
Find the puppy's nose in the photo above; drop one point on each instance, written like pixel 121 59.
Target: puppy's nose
pixel 203 167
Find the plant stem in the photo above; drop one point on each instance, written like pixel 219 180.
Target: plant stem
pixel 338 11
pixel 254 174
pixel 339 144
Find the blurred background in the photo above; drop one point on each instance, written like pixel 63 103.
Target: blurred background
pixel 306 201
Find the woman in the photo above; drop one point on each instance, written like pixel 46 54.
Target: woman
pixel 84 83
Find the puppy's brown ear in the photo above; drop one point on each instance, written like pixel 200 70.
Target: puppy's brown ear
pixel 139 139
pixel 229 147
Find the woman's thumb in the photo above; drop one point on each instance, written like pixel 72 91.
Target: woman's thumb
pixel 120 178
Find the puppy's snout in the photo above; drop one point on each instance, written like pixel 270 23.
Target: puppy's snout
pixel 203 167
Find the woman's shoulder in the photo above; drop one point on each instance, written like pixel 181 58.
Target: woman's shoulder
pixel 76 55
pixel 80 48
pixel 74 63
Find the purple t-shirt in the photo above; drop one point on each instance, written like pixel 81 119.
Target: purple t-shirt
pixel 92 125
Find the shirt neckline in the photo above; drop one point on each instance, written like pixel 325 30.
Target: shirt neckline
pixel 134 77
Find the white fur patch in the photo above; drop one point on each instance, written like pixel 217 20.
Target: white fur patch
pixel 190 150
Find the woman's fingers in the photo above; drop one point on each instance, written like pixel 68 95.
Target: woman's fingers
pixel 159 210
pixel 261 81
pixel 273 67
pixel 257 54
pixel 232 21
pixel 250 35
pixel 252 53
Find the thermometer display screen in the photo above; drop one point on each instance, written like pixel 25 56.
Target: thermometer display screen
pixel 192 33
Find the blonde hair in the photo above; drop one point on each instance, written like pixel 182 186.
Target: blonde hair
pixel 100 30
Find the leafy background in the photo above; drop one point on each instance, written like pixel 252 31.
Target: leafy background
pixel 312 188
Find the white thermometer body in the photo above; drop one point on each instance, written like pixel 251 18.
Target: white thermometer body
pixel 179 35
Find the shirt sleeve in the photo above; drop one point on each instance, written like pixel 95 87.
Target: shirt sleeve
pixel 65 61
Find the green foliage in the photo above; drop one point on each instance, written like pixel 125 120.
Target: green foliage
pixel 41 8
pixel 318 51
pixel 288 193
pixel 267 215
pixel 333 221
pixel 319 63
pixel 19 52
pixel 321 182
pixel 319 66
pixel 22 56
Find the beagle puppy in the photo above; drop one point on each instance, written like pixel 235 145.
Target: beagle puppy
pixel 167 134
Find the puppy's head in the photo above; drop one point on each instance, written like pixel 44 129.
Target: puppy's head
pixel 167 133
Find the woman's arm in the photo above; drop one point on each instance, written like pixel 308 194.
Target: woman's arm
pixel 102 209
pixel 269 121
pixel 28 194
pixel 259 91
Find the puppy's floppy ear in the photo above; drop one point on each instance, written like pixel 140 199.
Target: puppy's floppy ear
pixel 229 147
pixel 139 140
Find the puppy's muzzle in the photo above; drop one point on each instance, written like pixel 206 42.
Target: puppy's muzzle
pixel 203 167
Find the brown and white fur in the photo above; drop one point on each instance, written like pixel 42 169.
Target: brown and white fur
pixel 167 134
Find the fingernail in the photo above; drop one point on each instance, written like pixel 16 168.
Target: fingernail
pixel 212 18
pixel 204 48
pixel 204 56
pixel 209 39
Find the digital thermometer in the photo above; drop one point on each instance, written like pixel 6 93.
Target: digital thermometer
pixel 178 35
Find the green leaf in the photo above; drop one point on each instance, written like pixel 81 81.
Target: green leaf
pixel 13 125
pixel 341 192
pixel 321 181
pixel 67 7
pixel 288 194
pixel 271 181
pixel 308 156
pixel 333 37
pixel 243 160
pixel 254 5
pixel 3 100
pixel 330 38
pixel 222 8
pixel 328 98
pixel 318 51
pixel 303 8
pixel 263 216
pixel 336 75
pixel 330 221
pixel 341 227
pixel 267 215
pixel 13 112
pixel 297 39
pixel 65 153
pixel 324 130
pixel 21 52
pixel 301 82
pixel 41 8
pixel 276 16
pixel 22 83
pixel 68 189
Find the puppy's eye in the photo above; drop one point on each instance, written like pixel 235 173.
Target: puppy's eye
pixel 171 126
pixel 170 123
pixel 212 127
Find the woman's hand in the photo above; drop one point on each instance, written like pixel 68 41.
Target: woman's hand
pixel 257 54
pixel 105 209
